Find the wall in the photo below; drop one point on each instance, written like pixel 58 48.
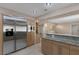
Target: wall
pixel 63 28
pixel 50 28
pixel 75 28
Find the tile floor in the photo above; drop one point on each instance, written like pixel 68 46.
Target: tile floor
pixel 32 50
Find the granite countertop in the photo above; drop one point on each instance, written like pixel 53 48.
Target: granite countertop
pixel 68 41
pixel 63 34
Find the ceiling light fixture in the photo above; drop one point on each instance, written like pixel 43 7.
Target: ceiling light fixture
pixel 48 5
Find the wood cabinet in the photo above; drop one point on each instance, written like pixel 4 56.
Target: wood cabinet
pixel 64 49
pixel 51 47
pixel 60 48
pixel 46 46
pixel 55 49
pixel 37 38
pixel 74 50
pixel 30 38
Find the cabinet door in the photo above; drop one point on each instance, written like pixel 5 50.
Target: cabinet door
pixel 65 49
pixel 55 49
pixel 37 38
pixel 30 38
pixel 74 50
pixel 60 48
pixel 46 46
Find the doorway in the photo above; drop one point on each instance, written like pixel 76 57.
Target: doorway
pixel 15 34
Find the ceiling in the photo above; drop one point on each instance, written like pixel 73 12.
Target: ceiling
pixel 34 9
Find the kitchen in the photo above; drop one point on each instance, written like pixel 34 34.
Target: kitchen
pixel 61 36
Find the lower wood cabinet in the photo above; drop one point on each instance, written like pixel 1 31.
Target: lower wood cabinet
pixel 30 38
pixel 37 38
pixel 50 47
pixel 46 47
pixel 60 48
pixel 64 49
pixel 55 49
pixel 74 50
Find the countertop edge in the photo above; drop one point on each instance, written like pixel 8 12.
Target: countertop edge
pixel 70 43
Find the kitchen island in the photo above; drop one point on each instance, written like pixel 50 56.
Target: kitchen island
pixel 60 44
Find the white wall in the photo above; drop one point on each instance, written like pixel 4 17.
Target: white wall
pixel 57 28
pixel 63 29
